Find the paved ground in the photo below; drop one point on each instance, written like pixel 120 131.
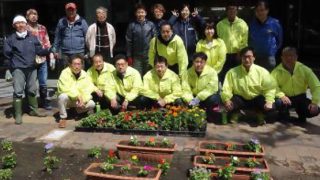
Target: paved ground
pixel 293 151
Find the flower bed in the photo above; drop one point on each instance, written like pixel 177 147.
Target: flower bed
pixel 170 121
pixel 150 150
pixel 252 148
pixel 118 172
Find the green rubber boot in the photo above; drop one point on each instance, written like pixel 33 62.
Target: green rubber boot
pixel 33 105
pixel 17 105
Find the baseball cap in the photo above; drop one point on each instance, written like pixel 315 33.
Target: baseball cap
pixel 71 6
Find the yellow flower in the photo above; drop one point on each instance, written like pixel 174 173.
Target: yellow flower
pixel 134 157
pixel 196 115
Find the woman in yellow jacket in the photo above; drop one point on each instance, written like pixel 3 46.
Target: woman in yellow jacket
pixel 213 47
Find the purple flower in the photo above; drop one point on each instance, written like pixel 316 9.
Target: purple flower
pixel 48 147
pixel 255 140
pixel 257 172
pixel 147 168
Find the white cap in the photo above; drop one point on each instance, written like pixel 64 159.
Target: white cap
pixel 19 18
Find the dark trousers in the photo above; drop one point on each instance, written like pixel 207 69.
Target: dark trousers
pixel 300 103
pixel 149 103
pixel 232 60
pixel 210 103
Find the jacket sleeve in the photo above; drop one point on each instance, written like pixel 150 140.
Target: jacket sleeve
pixel 210 89
pixel 87 90
pixel 152 52
pixel 137 84
pixel 227 88
pixel 182 58
pixel 176 90
pixel 172 20
pixel 129 40
pixel 222 52
pixel 90 76
pixel 199 21
pixel 57 37
pixel 113 36
pixel 110 88
pixel 147 90
pixel 244 37
pixel 279 35
pixel 89 35
pixel 278 93
pixel 7 49
pixel 39 50
pixel 268 87
pixel 65 87
pixel 314 85
pixel 186 89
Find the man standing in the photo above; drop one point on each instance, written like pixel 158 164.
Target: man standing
pixel 74 90
pixel 139 34
pixel 265 35
pixel 40 31
pixel 293 79
pixel 70 36
pixel 234 32
pixel 248 86
pixel 21 48
pixel 101 37
pixel 128 83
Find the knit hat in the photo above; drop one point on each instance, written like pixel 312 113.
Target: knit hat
pixel 19 18
pixel 70 5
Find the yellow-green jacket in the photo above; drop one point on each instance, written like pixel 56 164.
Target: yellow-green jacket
pixel 131 84
pixel 201 86
pixel 297 83
pixel 167 88
pixel 234 35
pixel 73 87
pixel 248 85
pixel 174 52
pixel 216 52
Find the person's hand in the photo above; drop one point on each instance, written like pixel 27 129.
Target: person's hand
pixel 162 102
pixel 175 13
pixel 194 102
pixel 99 93
pixel 313 108
pixel 195 12
pixel 268 106
pixel 80 103
pixel 286 101
pixel 124 105
pixel 228 105
pixel 114 103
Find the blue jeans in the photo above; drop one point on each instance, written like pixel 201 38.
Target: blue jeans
pixel 42 74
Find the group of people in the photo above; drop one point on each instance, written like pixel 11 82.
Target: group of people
pixel 165 63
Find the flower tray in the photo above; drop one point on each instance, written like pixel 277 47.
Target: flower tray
pixel 183 133
pixel 94 171
pixel 149 154
pixel 221 149
pixel 222 161
pixel 96 129
pixel 135 131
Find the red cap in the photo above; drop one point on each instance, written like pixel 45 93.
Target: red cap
pixel 71 6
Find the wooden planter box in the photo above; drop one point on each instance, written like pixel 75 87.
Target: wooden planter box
pixel 221 149
pixel 222 161
pixel 94 171
pixel 150 154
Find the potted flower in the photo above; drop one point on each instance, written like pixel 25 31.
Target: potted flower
pixel 258 175
pixel 164 166
pixel 254 145
pixel 150 150
pixel 200 173
pixel 226 172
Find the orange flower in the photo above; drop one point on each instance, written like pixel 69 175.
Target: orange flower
pixel 151 139
pixel 111 153
pixel 175 114
pixel 127 117
pixel 162 161
pixel 151 124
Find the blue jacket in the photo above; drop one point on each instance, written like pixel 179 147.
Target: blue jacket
pixel 70 39
pixel 187 30
pixel 266 38
pixel 21 52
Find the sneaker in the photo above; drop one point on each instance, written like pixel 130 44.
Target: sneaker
pixel 62 123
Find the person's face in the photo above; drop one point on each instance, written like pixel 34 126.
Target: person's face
pixel 289 59
pixel 158 14
pixel 199 64
pixel 232 12
pixel 141 14
pixel 160 69
pixel 71 13
pixel 261 12
pixel 247 59
pixel 20 26
pixel 121 66
pixel 98 63
pixel 209 32
pixel 166 32
pixel 33 17
pixel 101 16
pixel 185 12
pixel 76 66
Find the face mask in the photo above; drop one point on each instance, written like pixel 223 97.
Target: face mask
pixel 22 35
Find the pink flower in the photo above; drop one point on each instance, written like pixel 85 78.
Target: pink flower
pixel 147 168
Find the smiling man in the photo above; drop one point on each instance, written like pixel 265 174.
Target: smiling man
pixel 248 86
pixel 293 79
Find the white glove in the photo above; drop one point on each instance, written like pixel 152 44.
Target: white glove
pixel 52 63
pixel 8 75
pixel 194 102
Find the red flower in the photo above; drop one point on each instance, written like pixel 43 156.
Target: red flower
pixel 162 161
pixel 111 153
pixel 151 139
pixel 127 117
pixel 151 124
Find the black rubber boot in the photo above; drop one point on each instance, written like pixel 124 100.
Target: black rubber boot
pixel 44 102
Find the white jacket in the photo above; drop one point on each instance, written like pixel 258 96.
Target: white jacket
pixel 91 38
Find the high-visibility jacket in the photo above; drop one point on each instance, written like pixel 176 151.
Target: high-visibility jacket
pixel 201 86
pixel 297 83
pixel 248 85
pixel 167 88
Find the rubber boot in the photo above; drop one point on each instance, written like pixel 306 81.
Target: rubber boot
pixel 33 105
pixel 45 103
pixel 17 104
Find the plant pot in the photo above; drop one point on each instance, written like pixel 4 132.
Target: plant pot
pixel 222 161
pixel 150 154
pixel 94 171
pixel 221 149
pixel 234 177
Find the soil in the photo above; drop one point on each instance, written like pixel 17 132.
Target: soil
pixel 223 161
